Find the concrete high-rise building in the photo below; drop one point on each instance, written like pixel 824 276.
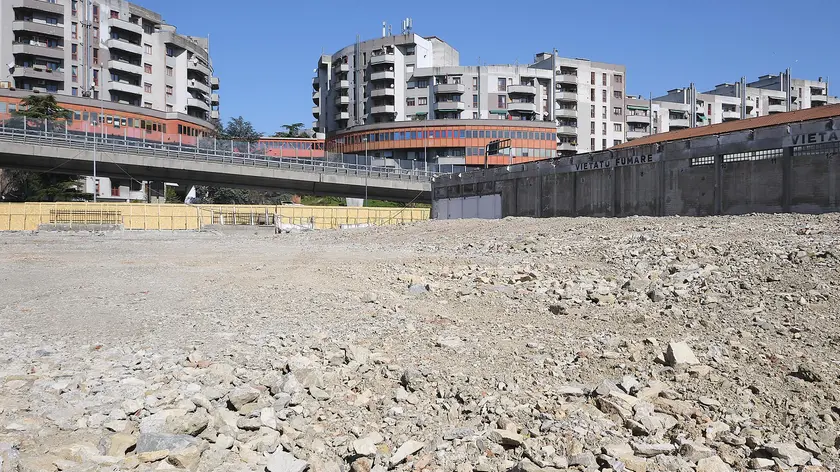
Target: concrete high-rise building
pixel 438 111
pixel 111 50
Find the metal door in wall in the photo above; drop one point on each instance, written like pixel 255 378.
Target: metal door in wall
pixel 488 207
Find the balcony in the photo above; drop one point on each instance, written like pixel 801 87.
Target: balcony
pixel 316 111
pixel 566 79
pixel 198 85
pixel 132 48
pixel 567 130
pixel 125 67
pixel 198 103
pixel 41 28
pixel 522 107
pixel 731 115
pixel 125 87
pixel 214 99
pixel 315 125
pixel 565 112
pixel 316 97
pixel 522 90
pixel 341 116
pixel 383 92
pixel 565 96
pixel 383 110
pixel 383 59
pixel 819 97
pixel 384 75
pixel 198 67
pixel 450 106
pixel 450 88
pixel 214 83
pixel 316 83
pixel 777 108
pixel 343 84
pixel 40 5
pixel 125 25
pixel 214 114
pixel 677 123
pixel 636 133
pixel 38 50
pixel 38 73
pixel 342 100
pixel 567 147
pixel 632 118
pixel 343 68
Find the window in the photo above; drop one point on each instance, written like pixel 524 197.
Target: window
pixel 74 52
pixel 95 55
pixel 96 13
pixel 423 83
pixel 502 102
pixel 96 31
pixel 169 71
pixel 592 79
pixel 475 115
pixel 74 30
pixel 75 8
pixel 168 89
pixel 475 101
pixel 616 142
pixel 75 91
pixel 147 87
pixel 617 94
pixel 592 128
pixel 148 28
pixel 617 127
pixel 592 95
pixel 604 113
pixel 95 77
pixel 618 78
pixel 147 68
pixel 74 73
pixel 409 102
pixel 592 111
pixel 115 14
pixel 170 51
pixel 168 107
pixel 603 128
pixel 423 101
pixel 617 110
pixel 147 48
pixel 604 79
pixel 502 84
pixel 604 96
pixel 592 144
pixel 147 105
pixel 603 144
pixel 475 82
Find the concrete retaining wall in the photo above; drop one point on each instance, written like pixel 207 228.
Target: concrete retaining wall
pixel 766 170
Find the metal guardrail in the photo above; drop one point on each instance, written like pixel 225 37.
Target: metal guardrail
pixel 177 151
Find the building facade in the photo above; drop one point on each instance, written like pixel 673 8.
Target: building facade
pixel 117 65
pixel 107 49
pixel 406 97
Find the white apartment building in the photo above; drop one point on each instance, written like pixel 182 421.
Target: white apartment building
pixel 107 49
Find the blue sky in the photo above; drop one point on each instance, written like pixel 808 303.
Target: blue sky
pixel 265 51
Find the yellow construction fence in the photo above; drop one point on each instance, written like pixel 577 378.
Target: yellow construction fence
pixel 137 216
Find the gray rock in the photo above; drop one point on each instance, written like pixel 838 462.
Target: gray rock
pixel 713 464
pixel 807 373
pixel 319 394
pixel 241 396
pixel 585 459
pixel 680 353
pixel 651 450
pixel 505 437
pixel 148 442
pixel 789 453
pixel 408 448
pixel 366 446
pixel 458 433
pixel 694 451
pixel 192 424
pixel 282 461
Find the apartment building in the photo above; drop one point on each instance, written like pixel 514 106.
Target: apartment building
pixel 555 106
pixel 111 50
pixel 726 102
pixel 589 103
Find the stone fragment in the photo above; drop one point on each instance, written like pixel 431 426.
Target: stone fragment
pixel 789 453
pixel 680 353
pixel 186 458
pixel 366 446
pixel 147 442
pixel 694 451
pixel 651 450
pixel 505 437
pixel 713 464
pixel 408 448
pixel 120 443
pixel 282 461
pixel 241 396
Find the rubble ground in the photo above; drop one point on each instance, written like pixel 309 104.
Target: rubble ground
pixel 614 345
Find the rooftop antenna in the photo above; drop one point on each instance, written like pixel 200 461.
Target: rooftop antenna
pixel 384 26
pixel 390 31
pixel 407 26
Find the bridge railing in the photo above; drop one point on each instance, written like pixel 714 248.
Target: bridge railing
pixel 57 134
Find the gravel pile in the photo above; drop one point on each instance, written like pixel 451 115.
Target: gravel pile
pixel 633 345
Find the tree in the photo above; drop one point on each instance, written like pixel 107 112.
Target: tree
pixel 292 131
pixel 239 129
pixel 43 106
